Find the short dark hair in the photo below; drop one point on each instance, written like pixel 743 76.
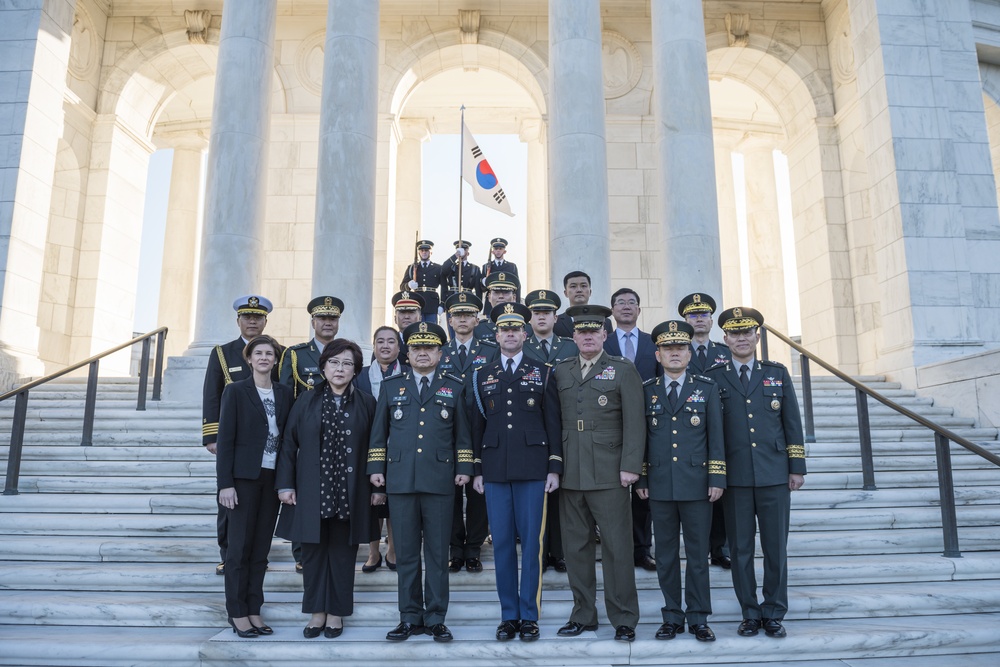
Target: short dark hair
pixel 626 290
pixel 256 342
pixel 384 327
pixel 576 274
pixel 338 345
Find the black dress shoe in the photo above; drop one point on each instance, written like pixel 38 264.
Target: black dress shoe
pixel 310 632
pixel 368 569
pixel 507 630
pixel 646 562
pixel 572 629
pixel 529 631
pixel 440 632
pixel 220 569
pixel 722 561
pixel 702 632
pixel 623 633
pixel 404 631
pixel 390 564
pixel 773 628
pixel 560 565
pixel 332 633
pixel 298 568
pixel 474 565
pixel 455 565
pixel 669 630
pixel 749 627
pixel 244 634
pixel 262 629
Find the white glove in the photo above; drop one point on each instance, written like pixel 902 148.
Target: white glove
pixel 413 284
pixel 460 252
pixel 440 310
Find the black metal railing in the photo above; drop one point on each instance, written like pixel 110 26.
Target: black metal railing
pixel 90 403
pixel 942 436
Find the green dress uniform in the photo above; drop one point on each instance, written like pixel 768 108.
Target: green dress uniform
pixel 603 434
pixel 685 455
pixel 560 348
pixel 714 353
pixel 420 442
pixel 299 367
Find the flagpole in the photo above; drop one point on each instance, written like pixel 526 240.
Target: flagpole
pixel 461 162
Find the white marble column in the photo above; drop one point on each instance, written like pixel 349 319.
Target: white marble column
pixel 687 200
pixel 578 160
pixel 536 275
pixel 767 273
pixel 344 248
pixel 729 235
pixel 409 170
pixel 232 247
pixel 179 274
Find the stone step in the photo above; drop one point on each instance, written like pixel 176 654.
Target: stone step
pixel 184 577
pixel 180 546
pixel 955 641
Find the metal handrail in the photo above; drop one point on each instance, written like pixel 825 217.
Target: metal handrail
pixel 942 436
pixel 90 404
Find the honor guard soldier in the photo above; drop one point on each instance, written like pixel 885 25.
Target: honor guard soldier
pixel 543 344
pixel 406 309
pixel 684 474
pixel 462 357
pixel 766 461
pixel 604 439
pixel 424 277
pixel 517 449
pixel 697 310
pixel 500 288
pixel 299 365
pixel 225 366
pixel 471 275
pixel 420 449
pixel 498 263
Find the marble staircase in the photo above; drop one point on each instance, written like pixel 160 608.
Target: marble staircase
pixel 107 557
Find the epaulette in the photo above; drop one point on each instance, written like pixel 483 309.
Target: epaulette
pixel 649 381
pixel 719 365
pixel 395 375
pixel 488 343
pixel 703 378
pixel 456 378
pixel 614 358
pixel 299 346
pixel 776 364
pixel 563 361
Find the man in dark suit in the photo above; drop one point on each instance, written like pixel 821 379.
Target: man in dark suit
pixel 461 357
pixel 420 449
pixel 576 288
pixel 225 366
pixel 685 474
pixel 385 345
pixel 299 365
pixel 498 263
pixel 517 446
pixel 765 461
pixel 424 277
pixel 697 310
pixel 406 309
pixel 472 277
pixel 604 438
pixel 636 346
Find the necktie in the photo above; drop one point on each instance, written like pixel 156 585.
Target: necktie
pixel 745 377
pixel 510 366
pixel 424 264
pixel 545 347
pixel 702 355
pixel 584 368
pixel 672 395
pixel 462 356
pixel 629 347
pixel 424 384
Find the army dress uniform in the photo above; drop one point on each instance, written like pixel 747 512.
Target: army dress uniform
pixel 472 276
pixel 764 445
pixel 408 301
pixel 604 434
pixel 501 281
pixel 427 275
pixel 299 364
pixel 499 265
pixel 685 455
pixel 420 441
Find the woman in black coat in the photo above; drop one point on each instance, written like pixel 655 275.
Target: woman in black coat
pixel 321 472
pixel 252 417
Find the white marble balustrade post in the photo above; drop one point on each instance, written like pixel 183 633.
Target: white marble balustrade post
pixel 729 235
pixel 344 247
pixel 536 274
pixel 232 247
pixel 409 179
pixel 578 160
pixel 687 199
pixel 179 274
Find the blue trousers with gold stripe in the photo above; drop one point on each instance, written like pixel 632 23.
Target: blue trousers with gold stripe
pixel 517 509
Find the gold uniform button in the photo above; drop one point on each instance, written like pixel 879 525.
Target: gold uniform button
pixel 675 445
pixel 752 431
pixel 420 451
pixel 510 402
pixel 748 400
pixel 675 458
pixel 422 409
pixel 510 391
pixel 750 415
pixel 674 432
pixel 420 437
pixel 421 423
pixel 753 444
pixel 673 419
pixel 510 426
pixel 510 414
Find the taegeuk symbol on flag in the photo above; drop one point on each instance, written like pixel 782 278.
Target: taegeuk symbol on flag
pixel 478 173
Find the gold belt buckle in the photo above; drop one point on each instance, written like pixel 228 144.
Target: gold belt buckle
pixel 579 424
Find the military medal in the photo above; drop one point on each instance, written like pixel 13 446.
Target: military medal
pixel 444 413
pixel 775 404
pixel 695 420
pixel 310 381
pixel 602 400
pixel 531 402
pixel 398 414
pixel 654 421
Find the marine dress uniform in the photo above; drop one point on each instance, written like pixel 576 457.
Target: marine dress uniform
pixel 420 442
pixel 427 276
pixel 299 365
pixel 604 434
pixel 685 456
pixel 517 443
pixel 764 445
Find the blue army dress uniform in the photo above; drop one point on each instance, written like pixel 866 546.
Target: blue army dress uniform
pixel 504 282
pixel 427 275
pixel 764 445
pixel 472 276
pixel 517 443
pixel 299 364
pixel 420 442
pixel 685 455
